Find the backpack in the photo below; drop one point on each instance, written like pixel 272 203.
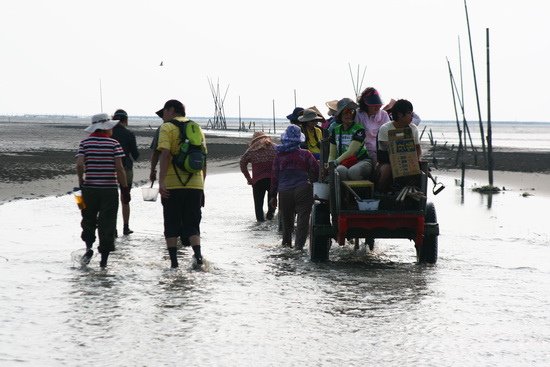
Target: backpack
pixel 190 158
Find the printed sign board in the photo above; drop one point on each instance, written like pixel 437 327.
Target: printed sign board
pixel 402 152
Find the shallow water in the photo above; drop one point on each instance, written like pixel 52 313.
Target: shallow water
pixel 257 304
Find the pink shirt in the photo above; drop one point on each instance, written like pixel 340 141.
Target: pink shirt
pixel 372 124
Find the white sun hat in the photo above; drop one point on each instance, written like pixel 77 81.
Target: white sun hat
pixel 101 121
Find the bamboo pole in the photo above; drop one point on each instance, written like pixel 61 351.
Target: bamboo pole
pixel 464 122
pixel 489 130
pixel 475 85
pixel 352 80
pixel 460 147
pixel 461 85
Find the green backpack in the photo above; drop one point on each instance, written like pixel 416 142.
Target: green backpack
pixel 190 158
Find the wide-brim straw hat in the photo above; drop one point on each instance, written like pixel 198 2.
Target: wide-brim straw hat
pixel 332 105
pixel 257 136
pixel 309 115
pixel 101 121
pixel 343 104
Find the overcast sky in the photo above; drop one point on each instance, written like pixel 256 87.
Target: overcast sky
pixel 54 54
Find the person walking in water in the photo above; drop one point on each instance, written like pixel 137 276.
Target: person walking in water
pixel 260 153
pixel 127 140
pixel 182 192
pixel 294 170
pixel 99 167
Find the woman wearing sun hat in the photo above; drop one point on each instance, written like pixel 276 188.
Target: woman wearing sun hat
pixel 347 151
pixel 294 170
pixel 260 153
pixel 99 168
pixel 371 116
pixel 313 134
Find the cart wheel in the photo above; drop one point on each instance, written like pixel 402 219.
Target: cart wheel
pixel 319 245
pixel 428 251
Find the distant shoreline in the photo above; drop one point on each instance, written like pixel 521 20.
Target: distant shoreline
pixel 28 172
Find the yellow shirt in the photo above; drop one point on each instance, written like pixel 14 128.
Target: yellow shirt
pixel 169 138
pixel 313 139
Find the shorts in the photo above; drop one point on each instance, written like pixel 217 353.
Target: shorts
pixel 182 213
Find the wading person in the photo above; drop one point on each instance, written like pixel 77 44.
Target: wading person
pixel 402 114
pixel 347 151
pixel 127 140
pixel 260 154
pixel 294 170
pixel 99 167
pixel 181 191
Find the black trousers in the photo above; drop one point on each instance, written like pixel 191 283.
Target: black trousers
pixel 101 213
pixel 259 190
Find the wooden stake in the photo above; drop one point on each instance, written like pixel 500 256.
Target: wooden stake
pixel 489 130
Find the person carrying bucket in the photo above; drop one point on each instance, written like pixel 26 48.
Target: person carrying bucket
pixel 99 167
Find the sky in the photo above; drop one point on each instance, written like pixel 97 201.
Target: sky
pixel 56 54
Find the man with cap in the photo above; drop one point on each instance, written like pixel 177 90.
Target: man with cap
pixel 99 167
pixel 182 192
pixel 127 140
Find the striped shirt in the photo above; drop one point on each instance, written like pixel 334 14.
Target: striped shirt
pixel 99 160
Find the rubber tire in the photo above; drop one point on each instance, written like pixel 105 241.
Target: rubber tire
pixel 319 246
pixel 428 250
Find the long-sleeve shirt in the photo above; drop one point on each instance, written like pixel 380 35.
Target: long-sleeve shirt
pixel 262 163
pixel 293 169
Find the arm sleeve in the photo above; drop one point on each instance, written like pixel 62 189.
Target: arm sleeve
pixel 275 176
pixel 244 166
pixel 314 167
pixel 164 138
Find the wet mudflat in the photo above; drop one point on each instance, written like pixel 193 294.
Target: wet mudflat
pixel 257 304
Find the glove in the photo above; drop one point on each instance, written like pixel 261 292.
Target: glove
pixel 202 200
pixel 125 195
